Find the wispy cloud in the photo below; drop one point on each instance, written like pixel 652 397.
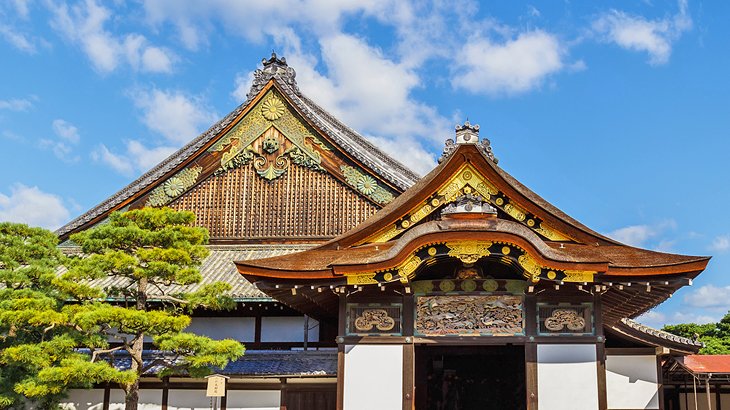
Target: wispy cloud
pixel 709 296
pixel 84 24
pixel 32 206
pixel 16 104
pixel 513 66
pixel 657 320
pixel 66 137
pixel 654 37
pixel 640 235
pixel 721 243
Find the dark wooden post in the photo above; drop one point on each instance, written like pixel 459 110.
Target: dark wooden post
pixel 341 331
pixel 531 351
pixel 600 353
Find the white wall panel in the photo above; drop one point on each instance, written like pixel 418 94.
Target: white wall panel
pixel 253 400
pixel 287 329
pixel 81 399
pixel 179 399
pixel 567 377
pixel 237 328
pixel 373 377
pixel 631 382
pixel 149 399
pixel 701 399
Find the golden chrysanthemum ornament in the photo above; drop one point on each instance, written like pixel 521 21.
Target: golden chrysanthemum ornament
pixel 273 108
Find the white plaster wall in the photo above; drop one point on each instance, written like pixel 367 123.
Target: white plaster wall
pixel 631 382
pixel 253 400
pixel 567 377
pixel 179 399
pixel 373 377
pixel 149 399
pixel 217 328
pixel 287 329
pixel 80 399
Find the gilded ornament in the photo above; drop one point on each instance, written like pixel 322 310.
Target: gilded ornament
pixel 273 108
pixel 551 275
pixel 530 223
pixel 468 285
pixel 405 224
pixel 562 318
pixel 374 318
pixel 515 286
pixel 578 276
pixel 499 201
pixel 473 315
pixel 388 276
pixel 270 144
pixel 466 175
pixel 435 202
pixel 490 285
pixel 506 250
pixel 174 187
pixel 447 285
pixel 532 269
pixel 515 212
pixel 366 279
pixel 409 267
pixel 469 251
pixel 432 251
pixel 366 185
pixel 423 286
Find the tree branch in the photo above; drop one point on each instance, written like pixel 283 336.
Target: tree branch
pixel 96 353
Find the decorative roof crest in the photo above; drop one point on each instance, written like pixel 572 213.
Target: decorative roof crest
pixel 468 134
pixel 273 67
pixel 468 204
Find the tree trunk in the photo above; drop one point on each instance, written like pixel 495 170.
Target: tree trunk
pixel 131 399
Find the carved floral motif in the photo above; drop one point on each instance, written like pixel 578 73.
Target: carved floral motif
pixel 469 315
pixel 562 318
pixel 374 318
pixel 174 186
pixel 366 185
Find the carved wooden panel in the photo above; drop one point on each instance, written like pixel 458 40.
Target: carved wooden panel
pixel 302 203
pixel 374 319
pixel 565 318
pixel 477 315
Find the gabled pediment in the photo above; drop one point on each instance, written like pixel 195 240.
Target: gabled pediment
pixel 274 132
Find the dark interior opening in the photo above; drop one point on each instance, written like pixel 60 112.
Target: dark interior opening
pixel 470 378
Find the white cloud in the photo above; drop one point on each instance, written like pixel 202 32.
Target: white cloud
pixel 16 104
pixel 639 235
pixel 17 39
pixel 32 206
pixel 67 136
pixel 511 67
pixel 721 243
pixel 655 37
pixel 709 296
pixel 136 159
pixel 241 85
pixel 83 24
pixel 174 115
pixel 21 7
pixel 658 319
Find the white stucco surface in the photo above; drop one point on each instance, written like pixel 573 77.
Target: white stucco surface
pixel 253 400
pixel 631 382
pixel 79 399
pixel 373 377
pixel 287 329
pixel 567 377
pixel 237 328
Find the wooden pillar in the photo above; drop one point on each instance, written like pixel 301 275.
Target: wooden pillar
pixel 283 392
pixel 409 372
pixel 257 330
pixel 341 331
pixel 531 327
pixel 600 353
pixel 660 379
pixel 107 397
pixel 165 392
pixel 531 375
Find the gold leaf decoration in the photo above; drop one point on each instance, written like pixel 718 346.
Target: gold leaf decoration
pixel 366 185
pixel 470 251
pixel 174 187
pixel 273 108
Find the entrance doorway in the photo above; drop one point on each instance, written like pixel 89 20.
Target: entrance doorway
pixel 470 378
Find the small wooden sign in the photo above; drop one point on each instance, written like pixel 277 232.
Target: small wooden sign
pixel 216 385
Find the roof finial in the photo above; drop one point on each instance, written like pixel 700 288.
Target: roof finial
pixel 468 134
pixel 274 67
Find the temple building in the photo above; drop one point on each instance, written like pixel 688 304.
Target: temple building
pixel 360 285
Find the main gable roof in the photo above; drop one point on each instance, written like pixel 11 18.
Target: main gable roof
pixel 275 75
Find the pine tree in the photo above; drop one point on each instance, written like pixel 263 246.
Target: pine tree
pixel 151 252
pixel 38 355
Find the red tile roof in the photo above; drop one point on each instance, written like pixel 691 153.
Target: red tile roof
pixel 708 363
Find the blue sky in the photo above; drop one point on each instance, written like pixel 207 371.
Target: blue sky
pixel 618 113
